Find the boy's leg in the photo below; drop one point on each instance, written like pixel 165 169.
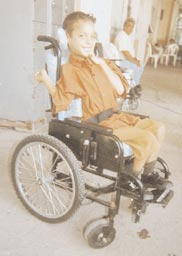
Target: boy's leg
pixel 146 149
pixel 155 127
pixel 144 144
pixel 149 176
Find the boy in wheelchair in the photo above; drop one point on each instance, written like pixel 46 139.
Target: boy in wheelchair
pixel 98 83
pixel 49 171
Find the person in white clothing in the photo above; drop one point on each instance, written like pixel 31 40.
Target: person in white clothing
pixel 125 45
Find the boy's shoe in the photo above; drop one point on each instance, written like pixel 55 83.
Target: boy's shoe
pixel 138 90
pixel 132 93
pixel 154 180
pixel 135 92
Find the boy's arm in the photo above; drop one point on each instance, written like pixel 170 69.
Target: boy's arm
pixel 61 98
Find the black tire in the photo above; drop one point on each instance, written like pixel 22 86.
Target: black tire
pixel 99 233
pixel 47 178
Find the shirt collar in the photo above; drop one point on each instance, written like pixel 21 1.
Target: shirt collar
pixel 80 61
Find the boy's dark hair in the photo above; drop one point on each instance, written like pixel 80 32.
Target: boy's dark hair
pixel 74 17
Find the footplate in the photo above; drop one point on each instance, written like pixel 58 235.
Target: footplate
pixel 165 197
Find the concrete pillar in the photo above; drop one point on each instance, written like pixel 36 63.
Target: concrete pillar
pixel 16 66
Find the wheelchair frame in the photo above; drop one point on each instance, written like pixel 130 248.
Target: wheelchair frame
pixel 54 165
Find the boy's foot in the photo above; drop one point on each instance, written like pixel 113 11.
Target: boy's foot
pixel 138 89
pixel 154 180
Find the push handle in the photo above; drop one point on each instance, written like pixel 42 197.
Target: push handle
pixel 54 45
pixel 45 38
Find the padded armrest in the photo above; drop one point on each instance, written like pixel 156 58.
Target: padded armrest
pixel 88 125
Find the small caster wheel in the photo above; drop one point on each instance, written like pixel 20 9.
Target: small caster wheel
pixel 99 233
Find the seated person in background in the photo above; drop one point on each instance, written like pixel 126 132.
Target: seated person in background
pixel 172 41
pixel 172 46
pixel 98 83
pixel 125 45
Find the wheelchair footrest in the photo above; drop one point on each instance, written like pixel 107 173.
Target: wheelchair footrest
pixel 165 197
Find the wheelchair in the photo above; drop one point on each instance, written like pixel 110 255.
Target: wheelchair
pixel 50 173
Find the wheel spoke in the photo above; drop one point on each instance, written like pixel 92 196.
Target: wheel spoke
pixel 34 162
pixel 53 164
pixel 49 198
pixel 62 185
pixel 54 193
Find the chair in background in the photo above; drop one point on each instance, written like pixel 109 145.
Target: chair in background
pixel 153 56
pixel 171 52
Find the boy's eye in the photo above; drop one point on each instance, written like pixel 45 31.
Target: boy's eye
pixel 93 37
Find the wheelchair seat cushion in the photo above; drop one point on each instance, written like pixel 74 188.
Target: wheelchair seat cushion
pixel 127 150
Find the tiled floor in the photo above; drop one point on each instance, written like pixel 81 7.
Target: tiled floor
pixel 23 235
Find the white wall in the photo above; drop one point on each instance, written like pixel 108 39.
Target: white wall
pixel 16 66
pixel 118 16
pixel 143 19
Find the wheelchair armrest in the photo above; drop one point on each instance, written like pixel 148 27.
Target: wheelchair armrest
pixel 88 125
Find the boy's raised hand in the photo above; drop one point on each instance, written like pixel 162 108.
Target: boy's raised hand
pixel 96 59
pixel 41 76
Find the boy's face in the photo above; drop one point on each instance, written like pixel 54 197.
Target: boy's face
pixel 82 39
pixel 128 28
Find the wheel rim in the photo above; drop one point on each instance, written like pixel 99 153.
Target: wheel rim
pixel 45 180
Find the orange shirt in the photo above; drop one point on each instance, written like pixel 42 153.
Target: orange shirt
pixel 81 78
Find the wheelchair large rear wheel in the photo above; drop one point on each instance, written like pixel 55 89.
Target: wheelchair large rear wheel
pixel 47 178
